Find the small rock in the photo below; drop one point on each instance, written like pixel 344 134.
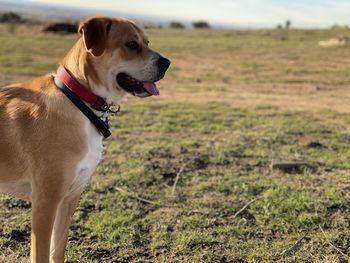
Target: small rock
pixel 293 168
pixel 316 145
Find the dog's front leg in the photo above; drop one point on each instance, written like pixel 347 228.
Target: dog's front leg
pixel 59 238
pixel 43 215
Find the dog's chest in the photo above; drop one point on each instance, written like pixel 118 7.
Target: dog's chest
pixel 87 165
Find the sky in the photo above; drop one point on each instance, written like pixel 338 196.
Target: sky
pixel 247 13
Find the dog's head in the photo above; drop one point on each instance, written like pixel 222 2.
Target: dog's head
pixel 119 59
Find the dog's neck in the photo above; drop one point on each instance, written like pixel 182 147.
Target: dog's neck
pixel 79 64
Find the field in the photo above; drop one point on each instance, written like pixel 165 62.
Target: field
pixel 187 176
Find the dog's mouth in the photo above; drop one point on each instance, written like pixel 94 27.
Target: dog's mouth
pixel 135 87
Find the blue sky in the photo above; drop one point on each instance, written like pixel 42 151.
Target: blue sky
pixel 251 13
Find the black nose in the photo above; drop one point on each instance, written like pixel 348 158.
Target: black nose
pixel 163 64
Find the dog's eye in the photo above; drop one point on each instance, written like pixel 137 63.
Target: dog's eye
pixel 132 45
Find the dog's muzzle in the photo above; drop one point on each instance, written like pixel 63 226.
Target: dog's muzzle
pixel 144 88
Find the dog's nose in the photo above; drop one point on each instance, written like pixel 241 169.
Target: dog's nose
pixel 163 64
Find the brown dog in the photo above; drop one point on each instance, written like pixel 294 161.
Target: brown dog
pixel 50 143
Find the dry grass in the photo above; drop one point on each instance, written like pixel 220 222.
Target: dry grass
pixel 9 256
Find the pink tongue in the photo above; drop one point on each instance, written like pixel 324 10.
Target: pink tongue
pixel 151 88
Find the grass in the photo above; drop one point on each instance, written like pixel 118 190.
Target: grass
pixel 232 104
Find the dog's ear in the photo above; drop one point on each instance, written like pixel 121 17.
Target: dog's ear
pixel 95 33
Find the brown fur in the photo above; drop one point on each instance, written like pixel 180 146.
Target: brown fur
pixel 44 136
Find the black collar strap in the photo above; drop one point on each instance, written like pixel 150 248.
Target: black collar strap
pixel 101 125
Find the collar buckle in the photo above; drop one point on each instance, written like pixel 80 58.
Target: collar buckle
pixel 99 104
pixel 105 106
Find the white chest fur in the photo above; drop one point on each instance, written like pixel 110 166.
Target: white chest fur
pixel 87 165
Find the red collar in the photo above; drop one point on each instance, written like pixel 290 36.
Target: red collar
pixel 94 101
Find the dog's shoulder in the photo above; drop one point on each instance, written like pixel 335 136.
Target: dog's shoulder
pixel 38 110
pixel 26 93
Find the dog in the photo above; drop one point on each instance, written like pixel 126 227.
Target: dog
pixel 52 127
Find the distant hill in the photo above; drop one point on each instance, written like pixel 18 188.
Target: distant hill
pixel 53 12
pixel 44 12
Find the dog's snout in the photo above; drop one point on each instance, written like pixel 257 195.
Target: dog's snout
pixel 163 64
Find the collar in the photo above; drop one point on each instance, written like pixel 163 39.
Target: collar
pixel 94 101
pixel 61 82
